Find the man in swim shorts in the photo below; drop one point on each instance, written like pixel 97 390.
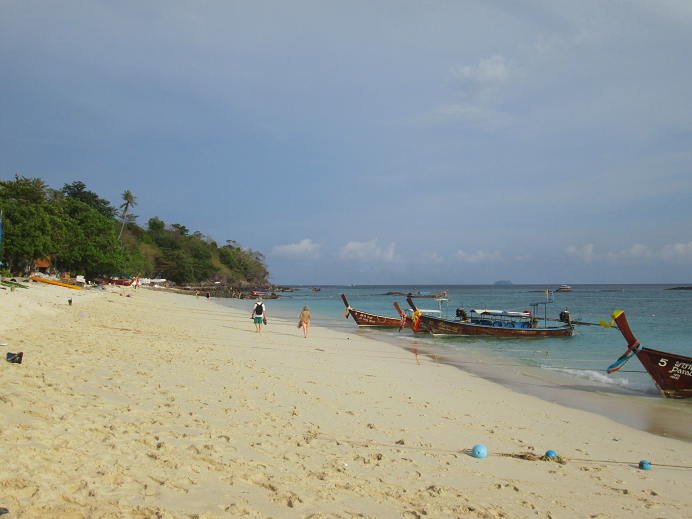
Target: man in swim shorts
pixel 259 312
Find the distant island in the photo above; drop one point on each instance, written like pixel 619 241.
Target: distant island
pixel 679 288
pixel 503 282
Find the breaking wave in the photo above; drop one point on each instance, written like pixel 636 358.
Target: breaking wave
pixel 594 376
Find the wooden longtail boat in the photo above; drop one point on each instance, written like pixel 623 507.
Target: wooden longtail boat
pixel 491 323
pixel 671 373
pixel 51 282
pixel 427 294
pixel 366 319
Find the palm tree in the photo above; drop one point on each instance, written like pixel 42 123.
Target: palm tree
pixel 130 199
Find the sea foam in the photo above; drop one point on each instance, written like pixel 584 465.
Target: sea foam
pixel 642 387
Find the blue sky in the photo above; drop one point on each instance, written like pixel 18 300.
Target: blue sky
pixel 373 142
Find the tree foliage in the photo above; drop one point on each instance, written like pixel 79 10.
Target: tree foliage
pixel 78 231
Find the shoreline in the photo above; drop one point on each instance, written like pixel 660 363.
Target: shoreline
pixel 646 412
pixel 159 405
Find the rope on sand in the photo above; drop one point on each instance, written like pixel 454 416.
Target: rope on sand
pixel 526 455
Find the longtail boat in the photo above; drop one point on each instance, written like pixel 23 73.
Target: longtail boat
pixel 427 294
pixel 366 319
pixel 671 373
pixel 51 282
pixel 493 323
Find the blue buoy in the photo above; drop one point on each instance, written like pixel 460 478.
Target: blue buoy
pixel 644 465
pixel 551 454
pixel 479 451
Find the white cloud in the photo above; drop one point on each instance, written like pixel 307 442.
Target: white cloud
pixel 479 257
pixel 679 253
pixel 584 254
pixel 305 250
pixel 489 71
pixel 431 257
pixel 368 251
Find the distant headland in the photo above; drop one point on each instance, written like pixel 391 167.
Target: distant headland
pixel 503 282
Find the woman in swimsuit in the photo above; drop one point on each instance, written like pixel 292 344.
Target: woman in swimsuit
pixel 305 320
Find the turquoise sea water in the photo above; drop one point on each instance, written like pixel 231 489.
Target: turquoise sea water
pixel 659 318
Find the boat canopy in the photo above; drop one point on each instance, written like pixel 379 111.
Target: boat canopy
pixel 502 313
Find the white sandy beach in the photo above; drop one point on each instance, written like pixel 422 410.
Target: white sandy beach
pixel 163 405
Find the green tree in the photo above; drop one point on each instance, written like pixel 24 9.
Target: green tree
pixel 179 266
pixel 78 191
pixel 25 191
pixel 26 233
pixel 184 231
pixel 130 200
pixel 155 224
pixel 89 242
pixel 202 265
pixel 55 196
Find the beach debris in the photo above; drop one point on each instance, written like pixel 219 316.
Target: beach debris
pixel 479 451
pixel 15 358
pixel 551 454
pixel 644 465
pixel 532 456
pixel 4 511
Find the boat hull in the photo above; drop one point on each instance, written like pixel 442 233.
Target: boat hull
pixel 368 320
pixel 671 373
pixel 373 320
pixel 51 282
pixel 445 327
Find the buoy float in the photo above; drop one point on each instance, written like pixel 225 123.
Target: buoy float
pixel 551 454
pixel 644 465
pixel 479 451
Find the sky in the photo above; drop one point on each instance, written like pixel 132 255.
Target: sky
pixel 372 142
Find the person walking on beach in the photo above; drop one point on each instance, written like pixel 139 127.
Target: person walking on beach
pixel 259 312
pixel 197 293
pixel 305 320
pixel 207 296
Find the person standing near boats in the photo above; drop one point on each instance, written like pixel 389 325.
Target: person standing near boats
pixel 305 320
pixel 259 313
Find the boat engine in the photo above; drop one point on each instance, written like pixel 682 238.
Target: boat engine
pixel 461 313
pixel 564 316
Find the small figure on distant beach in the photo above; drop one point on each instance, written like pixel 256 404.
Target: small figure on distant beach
pixel 259 312
pixel 197 293
pixel 305 320
pixel 208 296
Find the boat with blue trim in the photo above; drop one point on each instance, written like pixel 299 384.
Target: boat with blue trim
pixel 494 323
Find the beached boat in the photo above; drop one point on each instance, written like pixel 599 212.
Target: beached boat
pixel 366 319
pixel 427 294
pixel 564 288
pixel 51 282
pixel 409 319
pixel 671 373
pixel 494 323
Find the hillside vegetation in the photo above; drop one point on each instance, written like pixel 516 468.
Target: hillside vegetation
pixel 78 231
